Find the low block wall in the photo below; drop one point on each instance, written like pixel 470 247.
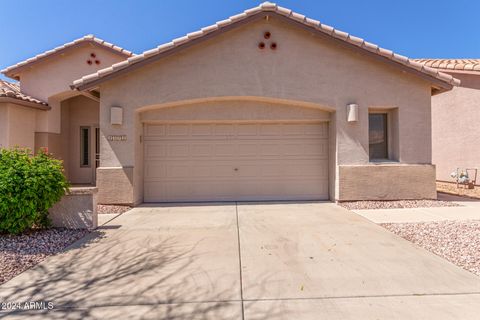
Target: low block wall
pixel 115 185
pixel 386 182
pixel 77 209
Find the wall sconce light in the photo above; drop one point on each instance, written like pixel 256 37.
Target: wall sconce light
pixel 116 115
pixel 352 112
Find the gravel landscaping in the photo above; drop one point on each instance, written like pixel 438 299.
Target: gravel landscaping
pixel 456 241
pixel 101 209
pixel 451 188
pixel 359 205
pixel 21 252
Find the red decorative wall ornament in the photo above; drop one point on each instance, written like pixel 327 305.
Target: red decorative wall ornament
pixel 267 35
pixel 89 62
pixel 93 55
pixel 97 61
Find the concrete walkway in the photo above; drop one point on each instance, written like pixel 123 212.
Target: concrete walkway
pixel 105 218
pixel 245 261
pixel 469 210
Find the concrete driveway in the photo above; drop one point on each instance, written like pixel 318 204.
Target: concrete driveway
pixel 245 261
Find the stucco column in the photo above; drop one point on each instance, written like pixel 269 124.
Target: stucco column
pixel 117 158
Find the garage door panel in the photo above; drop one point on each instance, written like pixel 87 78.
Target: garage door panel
pixel 178 171
pixel 320 131
pixel 246 149
pixel 223 129
pixel 272 161
pixel 271 130
pixel 247 129
pixel 154 170
pixel 222 171
pixel 178 130
pixel 155 151
pixel 224 149
pixel 155 131
pixel 178 150
pixel 202 130
pixel 319 149
pixel 201 150
pixel 246 170
pixel 270 149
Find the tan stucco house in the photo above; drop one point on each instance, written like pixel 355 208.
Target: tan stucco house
pixel 456 118
pixel 265 105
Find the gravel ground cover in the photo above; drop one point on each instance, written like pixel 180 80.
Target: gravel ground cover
pixel 451 188
pixel 456 241
pixel 101 208
pixel 359 205
pixel 21 252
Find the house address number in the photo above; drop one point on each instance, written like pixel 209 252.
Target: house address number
pixel 117 138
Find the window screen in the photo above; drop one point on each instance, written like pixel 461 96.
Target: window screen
pixel 84 146
pixel 378 139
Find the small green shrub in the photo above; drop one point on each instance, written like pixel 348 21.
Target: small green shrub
pixel 29 186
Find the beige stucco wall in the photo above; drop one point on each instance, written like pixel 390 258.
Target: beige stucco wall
pixel 78 112
pixel 50 141
pixel 4 126
pixel 75 112
pixel 455 127
pixel 49 80
pixel 17 125
pixel 303 70
pixel 235 109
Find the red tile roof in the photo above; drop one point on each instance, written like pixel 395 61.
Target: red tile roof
pixel 86 39
pixel 267 7
pixel 452 64
pixel 12 90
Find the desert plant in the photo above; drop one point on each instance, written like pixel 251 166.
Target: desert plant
pixel 29 186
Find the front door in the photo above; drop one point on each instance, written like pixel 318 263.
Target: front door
pixel 89 155
pixel 97 153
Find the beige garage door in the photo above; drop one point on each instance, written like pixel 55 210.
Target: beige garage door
pixel 228 162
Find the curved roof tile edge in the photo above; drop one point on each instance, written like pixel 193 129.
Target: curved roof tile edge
pixel 12 90
pixel 452 64
pixel 268 7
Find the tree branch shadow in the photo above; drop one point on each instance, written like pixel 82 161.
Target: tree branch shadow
pixel 116 274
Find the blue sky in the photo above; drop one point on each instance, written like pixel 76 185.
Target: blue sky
pixel 421 28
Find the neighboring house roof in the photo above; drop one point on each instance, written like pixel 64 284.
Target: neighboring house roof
pixel 443 80
pixel 86 39
pixel 452 64
pixel 10 92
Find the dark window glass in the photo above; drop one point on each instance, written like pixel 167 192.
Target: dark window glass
pixel 85 146
pixel 377 131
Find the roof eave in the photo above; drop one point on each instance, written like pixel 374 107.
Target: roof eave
pixel 438 90
pixel 472 72
pixel 25 103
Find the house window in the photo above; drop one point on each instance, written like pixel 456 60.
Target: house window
pixel 378 136
pixel 85 146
